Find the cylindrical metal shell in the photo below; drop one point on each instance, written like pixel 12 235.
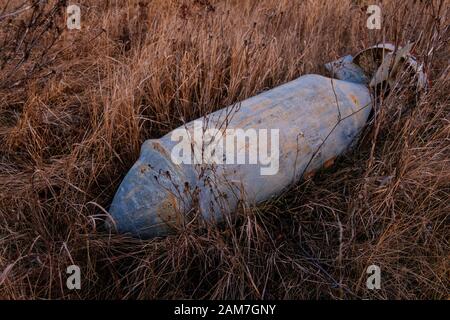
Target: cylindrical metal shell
pixel 317 119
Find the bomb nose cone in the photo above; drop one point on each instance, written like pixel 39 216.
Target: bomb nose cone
pixel 142 219
pixel 147 202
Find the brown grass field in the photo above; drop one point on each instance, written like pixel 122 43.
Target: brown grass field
pixel 75 106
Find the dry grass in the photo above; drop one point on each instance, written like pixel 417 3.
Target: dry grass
pixel 75 107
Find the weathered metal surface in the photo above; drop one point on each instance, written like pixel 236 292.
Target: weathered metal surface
pixel 317 119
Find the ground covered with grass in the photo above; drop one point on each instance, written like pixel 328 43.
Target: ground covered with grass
pixel 75 106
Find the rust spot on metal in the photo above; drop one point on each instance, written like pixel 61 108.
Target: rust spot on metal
pixel 309 175
pixel 168 212
pixel 328 163
pixel 143 169
pixel 354 99
pixel 157 146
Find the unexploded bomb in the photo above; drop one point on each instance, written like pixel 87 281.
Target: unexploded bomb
pixel 254 149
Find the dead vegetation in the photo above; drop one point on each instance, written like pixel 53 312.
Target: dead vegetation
pixel 75 107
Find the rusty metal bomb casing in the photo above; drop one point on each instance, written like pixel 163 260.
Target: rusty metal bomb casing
pixel 317 119
pixel 311 113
